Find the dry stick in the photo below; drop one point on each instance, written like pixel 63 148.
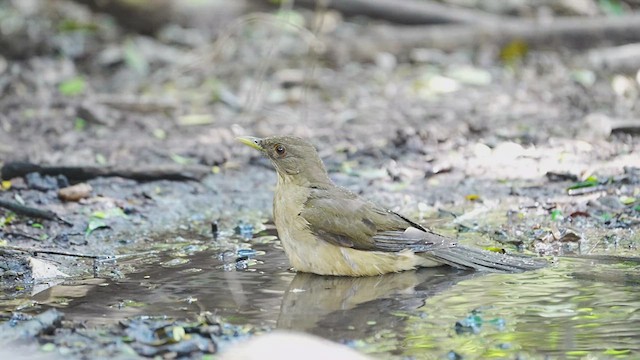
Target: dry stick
pixel 32 212
pixel 572 32
pixel 586 190
pixel 625 58
pixel 80 173
pixel 36 251
pixel 21 235
pixel 408 12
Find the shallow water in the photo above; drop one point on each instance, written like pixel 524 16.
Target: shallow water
pixel 574 308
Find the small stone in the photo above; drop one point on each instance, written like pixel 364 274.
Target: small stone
pixel 41 183
pixel 75 192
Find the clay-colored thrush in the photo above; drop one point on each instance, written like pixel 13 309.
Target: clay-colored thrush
pixel 328 230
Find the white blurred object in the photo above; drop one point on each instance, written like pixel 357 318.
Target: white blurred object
pixel 283 345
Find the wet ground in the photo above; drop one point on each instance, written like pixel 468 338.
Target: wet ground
pixel 574 308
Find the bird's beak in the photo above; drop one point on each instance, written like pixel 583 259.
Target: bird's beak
pixel 251 141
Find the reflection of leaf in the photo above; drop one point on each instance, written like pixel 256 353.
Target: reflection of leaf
pixel 131 303
pixel 616 352
pixel 73 86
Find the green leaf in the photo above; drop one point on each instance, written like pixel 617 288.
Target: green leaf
pixel 113 212
pixel 627 200
pixel 70 25
pixel 556 215
pixel 37 226
pixel 181 160
pixel 48 347
pixel 611 7
pixel 94 224
pixel 72 87
pixel 584 77
pixel 514 52
pixel 134 58
pixel 159 134
pixel 100 159
pixel 195 119
pixel 292 20
pixel 80 124
pixel 589 182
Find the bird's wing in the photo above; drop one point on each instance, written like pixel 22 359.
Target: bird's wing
pixel 342 218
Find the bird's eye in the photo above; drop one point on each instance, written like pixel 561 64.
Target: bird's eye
pixel 280 150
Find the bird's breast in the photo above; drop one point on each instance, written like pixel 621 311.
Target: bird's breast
pixel 308 253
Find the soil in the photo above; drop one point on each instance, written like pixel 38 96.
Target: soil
pixel 522 153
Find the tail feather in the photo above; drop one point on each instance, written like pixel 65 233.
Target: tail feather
pixel 463 257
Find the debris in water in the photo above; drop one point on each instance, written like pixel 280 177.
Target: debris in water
pixel 244 230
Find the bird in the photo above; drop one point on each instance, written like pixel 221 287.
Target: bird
pixel 328 230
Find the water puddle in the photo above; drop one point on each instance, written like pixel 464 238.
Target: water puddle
pixel 574 308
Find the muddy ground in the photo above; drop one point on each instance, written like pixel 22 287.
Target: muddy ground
pixel 528 150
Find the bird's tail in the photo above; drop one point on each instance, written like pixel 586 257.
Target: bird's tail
pixel 463 257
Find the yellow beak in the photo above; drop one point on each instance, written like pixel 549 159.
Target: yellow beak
pixel 251 141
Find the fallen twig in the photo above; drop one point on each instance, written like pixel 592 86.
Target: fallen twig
pixel 32 212
pixel 143 105
pixel 82 173
pixel 570 32
pixel 408 12
pixel 22 235
pixel 586 190
pixel 625 58
pixel 36 251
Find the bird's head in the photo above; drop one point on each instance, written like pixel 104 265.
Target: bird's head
pixel 295 159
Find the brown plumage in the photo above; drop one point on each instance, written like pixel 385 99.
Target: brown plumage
pixel 328 230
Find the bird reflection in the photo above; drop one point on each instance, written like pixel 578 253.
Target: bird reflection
pixel 321 304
